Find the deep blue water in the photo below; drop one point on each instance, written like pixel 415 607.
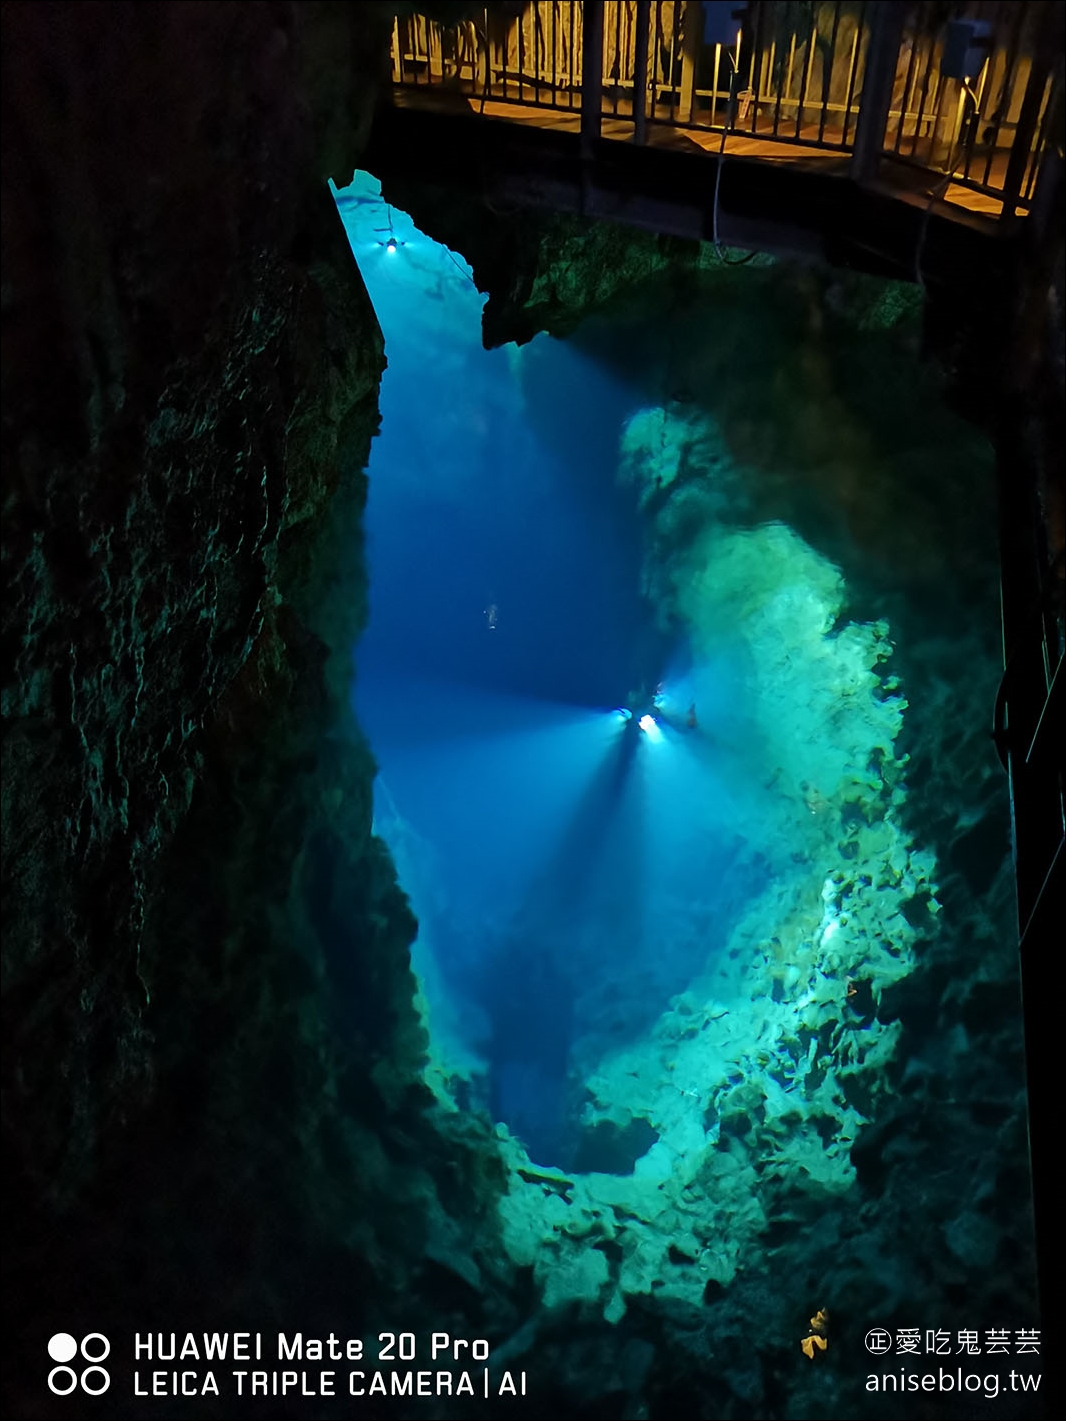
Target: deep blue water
pixel 550 848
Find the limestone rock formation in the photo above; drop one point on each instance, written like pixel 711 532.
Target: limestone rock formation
pixel 211 1052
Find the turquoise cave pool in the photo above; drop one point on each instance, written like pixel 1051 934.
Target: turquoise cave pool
pixel 673 628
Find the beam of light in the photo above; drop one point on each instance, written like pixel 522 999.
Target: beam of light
pixel 590 869
pixel 511 843
pixel 403 710
pixel 489 780
pixel 650 727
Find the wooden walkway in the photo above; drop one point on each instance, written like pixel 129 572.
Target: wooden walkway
pixel 803 204
pixel 913 186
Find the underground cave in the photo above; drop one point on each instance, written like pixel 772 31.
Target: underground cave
pixel 641 744
pixel 502 839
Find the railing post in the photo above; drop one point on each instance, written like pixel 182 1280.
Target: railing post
pixel 1028 117
pixel 640 73
pixel 591 74
pixel 396 53
pixel 690 56
pixel 886 31
pixel 483 40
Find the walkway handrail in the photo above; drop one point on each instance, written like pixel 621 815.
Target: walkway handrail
pixel 967 106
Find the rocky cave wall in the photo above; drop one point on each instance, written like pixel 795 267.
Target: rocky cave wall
pixel 211 1055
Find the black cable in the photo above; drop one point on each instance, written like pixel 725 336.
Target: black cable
pixel 940 188
pixel 730 110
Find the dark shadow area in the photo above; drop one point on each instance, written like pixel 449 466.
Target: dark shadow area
pixel 606 1149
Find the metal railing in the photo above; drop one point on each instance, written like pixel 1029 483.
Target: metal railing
pixel 986 133
pixel 799 74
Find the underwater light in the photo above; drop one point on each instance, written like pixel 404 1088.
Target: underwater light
pixel 650 727
pixel 390 245
pixel 624 715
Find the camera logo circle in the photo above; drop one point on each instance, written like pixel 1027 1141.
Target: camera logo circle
pixel 63 1379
